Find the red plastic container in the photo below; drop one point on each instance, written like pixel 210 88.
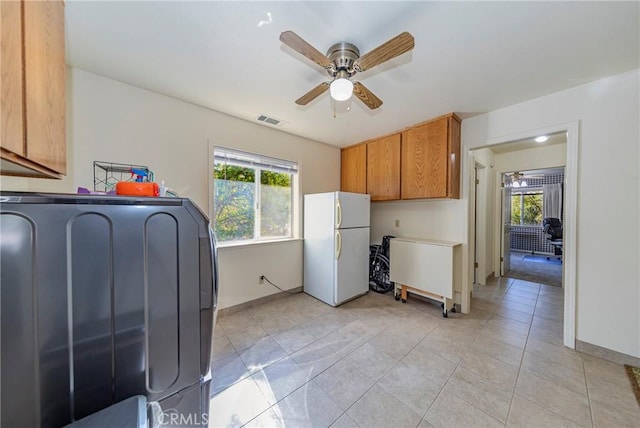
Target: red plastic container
pixel 133 188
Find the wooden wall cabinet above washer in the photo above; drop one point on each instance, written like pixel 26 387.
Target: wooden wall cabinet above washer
pixel 33 73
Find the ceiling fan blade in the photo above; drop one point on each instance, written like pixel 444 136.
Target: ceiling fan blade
pixel 298 44
pixel 366 96
pixel 397 46
pixel 313 94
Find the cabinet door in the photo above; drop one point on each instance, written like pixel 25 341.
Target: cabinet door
pixel 383 168
pixel 425 160
pixel 353 169
pixel 45 74
pixel 11 107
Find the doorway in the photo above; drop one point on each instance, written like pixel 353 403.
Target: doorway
pixel 530 199
pixel 518 152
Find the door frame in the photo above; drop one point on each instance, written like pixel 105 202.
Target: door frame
pixel 569 226
pixel 504 258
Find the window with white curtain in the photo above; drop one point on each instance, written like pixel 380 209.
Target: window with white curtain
pixel 252 196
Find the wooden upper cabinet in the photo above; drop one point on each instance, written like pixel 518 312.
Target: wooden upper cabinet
pixel 353 169
pixel 12 103
pixel 383 168
pixel 431 159
pixel 33 89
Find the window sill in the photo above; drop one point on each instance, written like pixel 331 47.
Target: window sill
pixel 244 244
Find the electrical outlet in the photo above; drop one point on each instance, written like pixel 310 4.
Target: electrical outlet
pixel 261 279
pixel 397 222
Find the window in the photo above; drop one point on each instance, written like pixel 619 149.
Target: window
pixel 526 207
pixel 253 196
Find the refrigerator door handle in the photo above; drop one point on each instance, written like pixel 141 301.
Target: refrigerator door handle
pixel 338 244
pixel 338 214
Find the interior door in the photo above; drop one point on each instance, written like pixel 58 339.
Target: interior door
pixel 505 257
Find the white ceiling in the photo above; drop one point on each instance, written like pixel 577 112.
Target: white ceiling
pixel 469 57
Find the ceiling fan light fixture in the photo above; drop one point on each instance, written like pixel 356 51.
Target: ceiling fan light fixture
pixel 342 61
pixel 541 139
pixel 341 89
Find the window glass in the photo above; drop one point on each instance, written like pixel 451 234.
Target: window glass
pixel 526 208
pixel 253 196
pixel 275 204
pixel 532 209
pixel 234 214
pixel 516 200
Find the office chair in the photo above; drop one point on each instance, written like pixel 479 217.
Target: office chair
pixel 552 227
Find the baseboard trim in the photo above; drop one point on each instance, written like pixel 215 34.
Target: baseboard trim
pixel 607 354
pixel 246 305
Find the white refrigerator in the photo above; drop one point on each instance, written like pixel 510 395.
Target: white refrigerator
pixel 336 246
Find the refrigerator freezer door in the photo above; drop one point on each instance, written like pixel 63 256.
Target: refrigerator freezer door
pixel 319 245
pixel 352 210
pixel 351 264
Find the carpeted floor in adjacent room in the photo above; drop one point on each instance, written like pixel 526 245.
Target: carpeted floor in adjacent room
pixel 535 271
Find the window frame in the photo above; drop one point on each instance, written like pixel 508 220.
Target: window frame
pixel 260 163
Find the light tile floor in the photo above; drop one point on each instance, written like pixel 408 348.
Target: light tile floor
pixel 375 362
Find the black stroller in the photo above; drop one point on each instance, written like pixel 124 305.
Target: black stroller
pixel 379 266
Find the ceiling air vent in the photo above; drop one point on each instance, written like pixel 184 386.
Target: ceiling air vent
pixel 269 120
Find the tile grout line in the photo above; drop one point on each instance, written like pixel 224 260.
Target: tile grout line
pixel 476 337
pixel 586 384
pixel 311 379
pixel 308 380
pixel 387 371
pixel 458 365
pixel 524 350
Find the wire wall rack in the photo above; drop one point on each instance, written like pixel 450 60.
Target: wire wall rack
pixel 107 174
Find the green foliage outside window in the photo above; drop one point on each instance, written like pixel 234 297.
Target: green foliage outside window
pixel 516 200
pixel 526 208
pixel 235 203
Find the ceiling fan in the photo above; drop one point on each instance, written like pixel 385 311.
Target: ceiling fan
pixel 342 62
pixel 518 179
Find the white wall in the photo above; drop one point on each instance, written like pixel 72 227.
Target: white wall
pixel 112 121
pixel 608 282
pixel 438 219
